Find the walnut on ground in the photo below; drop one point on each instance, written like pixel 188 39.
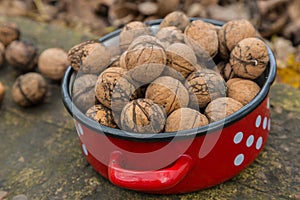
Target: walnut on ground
pixel 2 92
pixel 9 32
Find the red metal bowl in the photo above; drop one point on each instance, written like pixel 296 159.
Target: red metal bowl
pixel 185 161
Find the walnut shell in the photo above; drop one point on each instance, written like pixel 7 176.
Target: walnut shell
pixel 29 89
pixel 249 58
pixel 168 92
pixel 83 92
pixel 78 53
pixel 8 32
pixel 206 85
pixel 181 58
pixel 131 31
pixel 143 116
pixel 53 63
pixel 102 115
pixel 2 92
pixel 202 37
pixel 145 41
pixel 177 19
pixel 144 64
pixel 225 70
pixel 183 119
pixel 22 55
pixel 169 35
pixel 243 90
pixel 232 33
pixel 221 107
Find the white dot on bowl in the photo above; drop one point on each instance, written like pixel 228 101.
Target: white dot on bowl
pixel 265 123
pixel 238 137
pixel 84 150
pixel 268 103
pixel 79 130
pixel 269 124
pixel 239 159
pixel 258 143
pixel 250 141
pixel 258 121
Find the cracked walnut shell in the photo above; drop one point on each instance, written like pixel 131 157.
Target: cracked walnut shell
pixel 143 116
pixel 249 58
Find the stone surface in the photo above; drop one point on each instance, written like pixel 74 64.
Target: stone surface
pixel 41 156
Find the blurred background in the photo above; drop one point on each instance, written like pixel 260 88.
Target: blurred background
pixel 278 21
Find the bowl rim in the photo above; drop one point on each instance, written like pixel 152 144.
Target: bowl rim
pixel 167 136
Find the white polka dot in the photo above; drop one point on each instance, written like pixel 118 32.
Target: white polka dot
pixel 258 121
pixel 250 141
pixel 258 143
pixel 265 123
pixel 79 130
pixel 268 103
pixel 84 150
pixel 238 137
pixel 239 159
pixel 269 124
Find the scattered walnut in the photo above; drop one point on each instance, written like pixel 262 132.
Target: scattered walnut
pixel 9 32
pixel 22 55
pixel 221 107
pixel 206 85
pixel 53 63
pixel 249 58
pixel 202 37
pixel 168 92
pixel 2 92
pixel 177 19
pixel 101 114
pixel 231 33
pixel 243 90
pixel 29 89
pixel 183 119
pixel 143 116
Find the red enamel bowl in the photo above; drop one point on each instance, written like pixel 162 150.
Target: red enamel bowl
pixel 178 162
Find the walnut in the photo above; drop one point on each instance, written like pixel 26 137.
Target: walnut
pixel 9 32
pixel 232 80
pixel 231 33
pixel 144 64
pixel 22 55
pixel 206 85
pixel 114 89
pixel 53 63
pixel 221 107
pixel 90 57
pixel 185 118
pixel 145 41
pixel 102 115
pixel 202 37
pixel 181 58
pixel 143 116
pixel 2 92
pixel 169 35
pixel 177 19
pixel 2 53
pixel 249 58
pixel 83 92
pixel 29 89
pixel 225 70
pixel 131 31
pixel 168 92
pixel 243 90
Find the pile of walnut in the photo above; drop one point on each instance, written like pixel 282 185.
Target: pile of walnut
pixel 166 80
pixel 30 86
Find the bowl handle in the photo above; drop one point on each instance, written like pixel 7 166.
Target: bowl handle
pixel 147 180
